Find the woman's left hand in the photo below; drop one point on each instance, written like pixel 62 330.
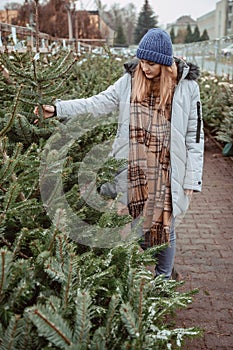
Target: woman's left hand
pixel 47 110
pixel 188 192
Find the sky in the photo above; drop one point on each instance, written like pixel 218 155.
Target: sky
pixel 168 11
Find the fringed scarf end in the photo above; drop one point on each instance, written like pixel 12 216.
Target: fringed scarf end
pixel 157 235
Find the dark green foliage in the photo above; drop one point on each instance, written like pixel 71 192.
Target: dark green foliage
pixel 212 111
pixel 189 35
pixel 216 96
pixel 196 34
pixel 204 36
pixel 104 294
pixel 20 151
pixel 225 132
pixel 93 75
pixel 120 36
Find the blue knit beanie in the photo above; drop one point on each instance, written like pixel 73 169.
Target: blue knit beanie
pixel 156 46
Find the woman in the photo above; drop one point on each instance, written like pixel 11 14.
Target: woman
pixel 159 132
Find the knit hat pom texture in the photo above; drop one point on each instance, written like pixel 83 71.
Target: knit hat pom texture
pixel 156 46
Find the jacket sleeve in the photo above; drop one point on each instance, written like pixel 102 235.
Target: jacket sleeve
pixel 103 103
pixel 194 144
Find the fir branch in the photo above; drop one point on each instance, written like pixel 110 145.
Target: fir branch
pixel 58 71
pixel 53 239
pixel 33 188
pixel 52 90
pixel 63 72
pixel 69 278
pixel 3 189
pixel 10 335
pixel 63 61
pixel 140 306
pixel 5 265
pixel 13 164
pixel 27 101
pixel 2 270
pixel 54 303
pixel 11 196
pixel 38 86
pixel 5 242
pixel 60 226
pixel 10 122
pixel 3 145
pixel 10 163
pixel 29 205
pixel 129 320
pixel 18 241
pixel 61 252
pixel 115 299
pixel 99 340
pixel 49 325
pixel 83 317
pixel 53 268
pixel 28 338
pixel 19 72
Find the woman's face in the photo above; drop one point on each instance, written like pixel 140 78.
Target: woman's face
pixel 150 69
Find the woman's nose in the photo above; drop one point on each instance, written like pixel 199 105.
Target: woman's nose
pixel 145 66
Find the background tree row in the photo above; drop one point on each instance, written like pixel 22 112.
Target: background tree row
pixel 129 26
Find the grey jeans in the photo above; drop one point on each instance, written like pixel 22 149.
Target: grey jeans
pixel 165 258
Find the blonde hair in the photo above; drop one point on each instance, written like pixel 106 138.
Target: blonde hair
pixel 143 87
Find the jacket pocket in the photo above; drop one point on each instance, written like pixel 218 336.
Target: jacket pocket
pixel 198 132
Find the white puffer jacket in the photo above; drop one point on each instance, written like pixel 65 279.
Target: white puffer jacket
pixel 187 138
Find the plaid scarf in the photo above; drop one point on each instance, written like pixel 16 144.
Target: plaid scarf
pixel 149 187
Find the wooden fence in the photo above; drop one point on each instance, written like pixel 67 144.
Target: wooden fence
pixel 16 38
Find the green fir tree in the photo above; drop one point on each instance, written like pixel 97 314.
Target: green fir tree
pixel 189 35
pixel 120 39
pixel 196 34
pixel 204 35
pixel 146 20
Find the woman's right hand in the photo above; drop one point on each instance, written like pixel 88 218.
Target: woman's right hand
pixel 48 111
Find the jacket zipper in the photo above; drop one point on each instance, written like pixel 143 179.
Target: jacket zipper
pixel 198 133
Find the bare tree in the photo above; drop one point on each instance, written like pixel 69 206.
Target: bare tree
pixel 12 6
pixel 129 18
pixel 121 16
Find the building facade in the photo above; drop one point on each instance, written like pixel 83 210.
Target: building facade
pixel 218 23
pixel 229 18
pixel 207 22
pixel 181 24
pixel 8 16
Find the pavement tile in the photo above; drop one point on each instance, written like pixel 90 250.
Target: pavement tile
pixel 204 256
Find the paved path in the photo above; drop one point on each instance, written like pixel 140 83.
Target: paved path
pixel 205 255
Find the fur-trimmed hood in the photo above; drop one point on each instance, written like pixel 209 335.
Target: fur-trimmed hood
pixel 186 70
